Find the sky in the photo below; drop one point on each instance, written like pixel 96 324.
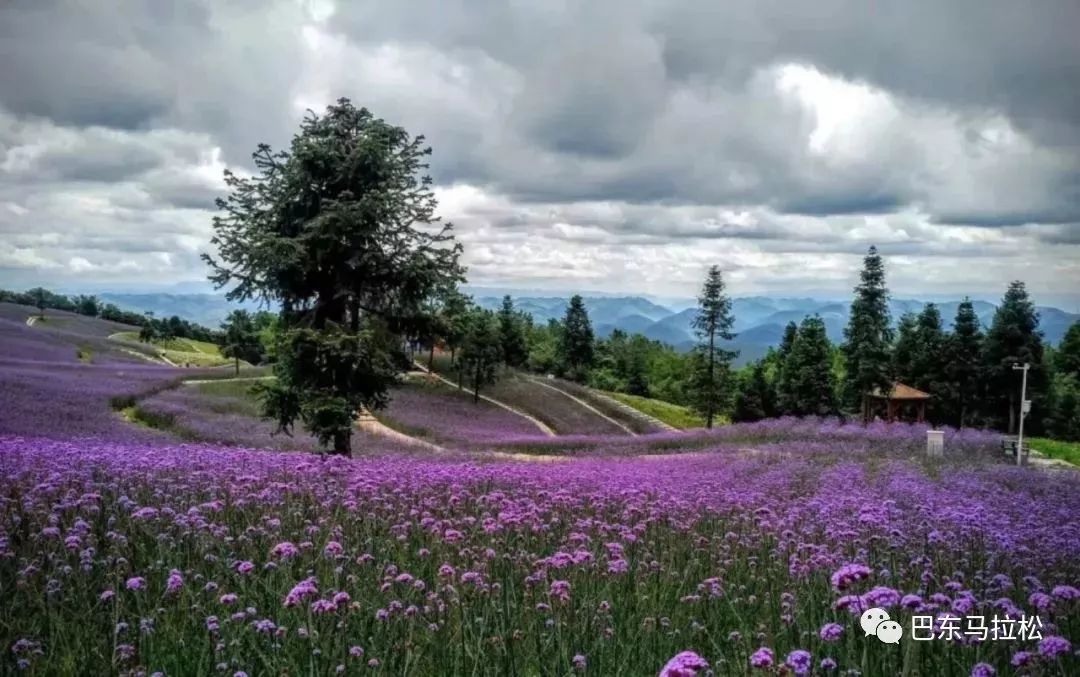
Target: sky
pixel 610 146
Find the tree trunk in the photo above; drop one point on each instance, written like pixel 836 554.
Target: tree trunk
pixel 238 366
pixel 431 358
pixel 476 384
pixel 342 446
pixel 453 352
pixel 1012 413
pixel 711 402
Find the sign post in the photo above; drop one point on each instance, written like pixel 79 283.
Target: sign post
pixel 1025 407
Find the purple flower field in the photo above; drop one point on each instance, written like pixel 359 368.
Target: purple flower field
pixel 191 414
pixel 753 547
pixel 438 413
pixel 113 556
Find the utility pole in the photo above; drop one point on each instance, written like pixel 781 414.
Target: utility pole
pixel 1025 407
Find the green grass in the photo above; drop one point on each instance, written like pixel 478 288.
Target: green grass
pixel 182 351
pixel 672 414
pixel 232 397
pixel 1066 451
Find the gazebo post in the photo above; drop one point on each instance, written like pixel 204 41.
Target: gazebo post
pixel 922 410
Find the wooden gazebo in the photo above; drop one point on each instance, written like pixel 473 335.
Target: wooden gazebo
pixel 898 399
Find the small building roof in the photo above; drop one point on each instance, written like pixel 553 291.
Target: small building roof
pixel 901 392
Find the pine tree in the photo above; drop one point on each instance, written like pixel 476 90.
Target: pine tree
pixel 1014 338
pixel 512 334
pixel 576 341
pixel 713 324
pixel 1067 356
pixel 868 336
pixel 790 332
pixel 341 231
pixel 963 364
pixel 905 350
pixel 754 399
pixel 929 375
pixel 808 371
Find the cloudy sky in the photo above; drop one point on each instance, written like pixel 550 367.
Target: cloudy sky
pixel 577 145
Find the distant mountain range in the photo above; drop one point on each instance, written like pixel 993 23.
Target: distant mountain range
pixel 759 320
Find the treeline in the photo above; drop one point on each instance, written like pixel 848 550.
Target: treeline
pixel 340 232
pixel 967 370
pixel 150 327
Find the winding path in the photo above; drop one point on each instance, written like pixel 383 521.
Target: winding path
pixel 585 404
pixel 535 421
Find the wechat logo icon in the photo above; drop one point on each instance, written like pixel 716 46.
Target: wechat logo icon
pixel 877 622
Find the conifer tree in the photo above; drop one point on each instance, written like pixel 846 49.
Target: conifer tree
pixel 964 364
pixel 341 232
pixel 515 350
pixel 754 399
pixel 868 336
pixel 1067 356
pixel 905 350
pixel 576 341
pixel 712 324
pixel 1014 338
pixel 808 371
pixel 929 372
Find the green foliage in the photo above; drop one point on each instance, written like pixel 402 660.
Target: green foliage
pixel 1014 338
pixel 575 347
pixel 1067 356
pixel 1066 451
pixel 481 350
pixel 1063 407
pixel 512 324
pixel 325 376
pixel 87 305
pixel 963 365
pixel 807 384
pixel 241 340
pixel 755 398
pixel 710 377
pixel 338 231
pixel 868 336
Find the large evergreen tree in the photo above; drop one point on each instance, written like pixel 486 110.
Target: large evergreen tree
pixel 338 230
pixel 867 337
pixel 810 384
pixel 963 365
pixel 1013 339
pixel 930 360
pixel 576 341
pixel 712 325
pixel 515 350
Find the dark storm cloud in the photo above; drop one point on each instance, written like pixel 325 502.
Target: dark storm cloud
pixel 750 130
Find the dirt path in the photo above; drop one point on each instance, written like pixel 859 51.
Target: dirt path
pixel 198 381
pixel 535 421
pixel 369 424
pixel 31 320
pixel 585 404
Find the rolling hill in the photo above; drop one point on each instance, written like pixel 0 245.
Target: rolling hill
pixel 759 320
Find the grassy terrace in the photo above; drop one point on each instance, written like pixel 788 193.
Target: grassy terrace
pixel 672 414
pixel 1065 451
pixel 180 351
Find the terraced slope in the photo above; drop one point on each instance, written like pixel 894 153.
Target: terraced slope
pixel 632 420
pixel 562 414
pixel 431 410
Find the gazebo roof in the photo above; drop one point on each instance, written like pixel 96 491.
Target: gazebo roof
pixel 901 392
